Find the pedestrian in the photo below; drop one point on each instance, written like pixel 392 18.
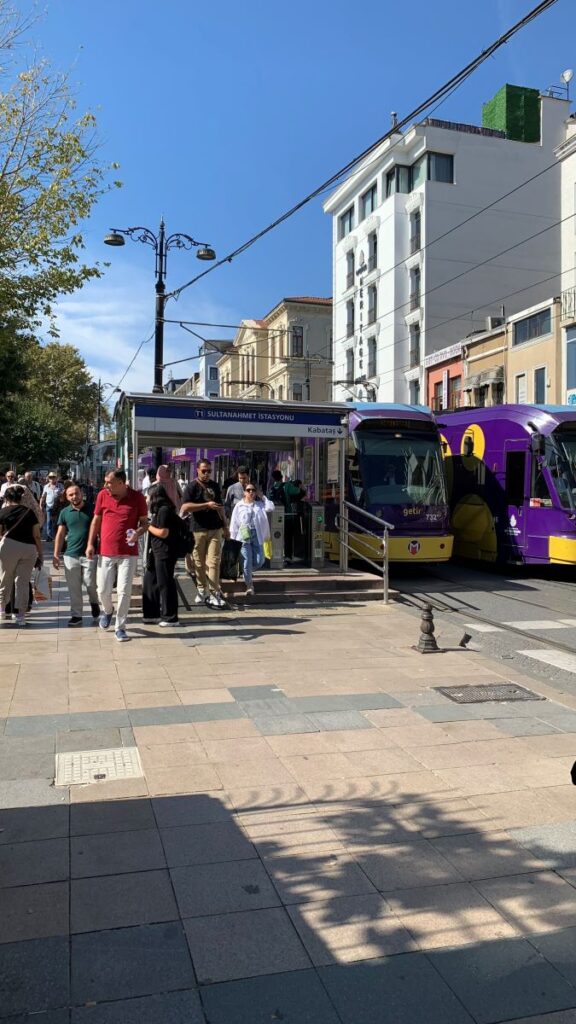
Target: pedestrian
pixel 20 552
pixel 170 486
pixel 203 498
pixel 276 493
pixel 249 525
pixel 32 484
pixel 120 519
pixel 9 481
pixel 49 503
pixel 147 482
pixel 235 492
pixel 72 532
pixel 295 494
pixel 159 593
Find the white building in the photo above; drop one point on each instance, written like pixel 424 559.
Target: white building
pixel 566 154
pixel 414 270
pixel 205 382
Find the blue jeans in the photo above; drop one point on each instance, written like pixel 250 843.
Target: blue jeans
pixel 251 557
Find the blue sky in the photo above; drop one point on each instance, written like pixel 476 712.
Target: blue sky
pixel 223 115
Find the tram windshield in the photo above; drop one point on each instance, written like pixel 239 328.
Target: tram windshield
pixel 561 461
pixel 397 468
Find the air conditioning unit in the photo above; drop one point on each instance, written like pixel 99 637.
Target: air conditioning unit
pixel 494 321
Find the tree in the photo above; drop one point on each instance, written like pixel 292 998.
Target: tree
pixel 50 179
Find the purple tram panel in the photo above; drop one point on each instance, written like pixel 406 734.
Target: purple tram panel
pixel 511 472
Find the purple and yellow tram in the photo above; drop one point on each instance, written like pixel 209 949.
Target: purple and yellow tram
pixel 511 472
pixel 395 471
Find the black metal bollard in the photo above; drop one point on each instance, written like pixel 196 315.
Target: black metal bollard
pixel 427 642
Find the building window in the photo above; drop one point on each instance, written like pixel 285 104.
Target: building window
pixel 437 403
pixel 372 304
pixel 368 202
pixel 297 342
pixel 349 318
pixel 498 392
pixel 571 357
pixel 372 251
pixel 350 268
pixel 521 389
pixel 280 392
pixel 531 327
pixel 346 223
pixel 415 232
pixel 454 391
pixel 349 366
pixel 414 345
pixel 213 373
pixel 397 180
pixel 540 385
pixel 414 392
pixel 432 167
pixel 372 370
pixel 415 288
pixel 297 392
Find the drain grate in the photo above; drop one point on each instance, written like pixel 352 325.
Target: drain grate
pixel 483 694
pixel 81 767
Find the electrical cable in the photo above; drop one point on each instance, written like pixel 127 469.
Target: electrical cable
pixel 441 92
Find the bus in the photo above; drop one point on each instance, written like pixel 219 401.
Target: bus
pixel 511 472
pixel 395 471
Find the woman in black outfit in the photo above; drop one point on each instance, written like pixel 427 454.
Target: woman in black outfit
pixel 159 593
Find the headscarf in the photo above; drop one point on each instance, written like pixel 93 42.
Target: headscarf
pixel 169 485
pixel 30 502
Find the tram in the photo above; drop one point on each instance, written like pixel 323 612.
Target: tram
pixel 395 470
pixel 511 472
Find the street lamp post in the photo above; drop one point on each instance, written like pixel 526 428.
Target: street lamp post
pixel 161 244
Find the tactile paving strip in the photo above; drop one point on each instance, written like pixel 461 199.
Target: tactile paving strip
pixel 81 767
pixel 482 694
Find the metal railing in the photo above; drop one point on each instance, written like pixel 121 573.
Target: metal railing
pixel 569 304
pixel 344 523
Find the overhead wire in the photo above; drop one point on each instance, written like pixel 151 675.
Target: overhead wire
pixel 441 92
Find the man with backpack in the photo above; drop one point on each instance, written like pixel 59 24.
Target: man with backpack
pixel 203 498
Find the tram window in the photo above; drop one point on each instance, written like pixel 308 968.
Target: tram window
pixel 515 471
pixel 539 488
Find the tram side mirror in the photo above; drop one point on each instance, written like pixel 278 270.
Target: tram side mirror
pixel 538 444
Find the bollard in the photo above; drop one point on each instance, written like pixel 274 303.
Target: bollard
pixel 427 642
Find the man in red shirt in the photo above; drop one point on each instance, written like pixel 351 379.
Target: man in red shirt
pixel 120 519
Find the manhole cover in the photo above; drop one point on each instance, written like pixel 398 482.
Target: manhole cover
pixel 81 767
pixel 482 694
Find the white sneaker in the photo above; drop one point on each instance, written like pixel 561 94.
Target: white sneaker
pixel 249 591
pixel 200 597
pixel 216 601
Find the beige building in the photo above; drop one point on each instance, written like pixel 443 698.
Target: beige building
pixel 287 355
pixel 518 362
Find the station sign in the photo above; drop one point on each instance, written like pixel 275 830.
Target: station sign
pixel 216 420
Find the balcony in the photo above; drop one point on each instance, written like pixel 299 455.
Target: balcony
pixel 415 243
pixel 569 304
pixel 350 279
pixel 349 328
pixel 415 301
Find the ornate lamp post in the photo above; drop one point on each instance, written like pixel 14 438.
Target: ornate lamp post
pixel 161 243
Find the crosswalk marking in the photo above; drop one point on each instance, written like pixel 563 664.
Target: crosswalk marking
pixel 558 659
pixel 539 624
pixel 482 627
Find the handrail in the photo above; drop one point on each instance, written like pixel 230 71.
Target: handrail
pixel 345 535
pixel 369 515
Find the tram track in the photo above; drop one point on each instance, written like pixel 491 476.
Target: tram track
pixel 442 605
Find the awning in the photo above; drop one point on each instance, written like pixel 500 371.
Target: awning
pixel 494 375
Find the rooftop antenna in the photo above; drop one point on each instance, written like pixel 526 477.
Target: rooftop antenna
pixel 566 77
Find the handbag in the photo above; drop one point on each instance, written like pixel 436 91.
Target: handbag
pixel 42 585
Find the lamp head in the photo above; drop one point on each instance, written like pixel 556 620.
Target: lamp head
pixel 567 76
pixel 114 238
pixel 205 253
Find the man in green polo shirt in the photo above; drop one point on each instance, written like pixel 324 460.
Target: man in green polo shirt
pixel 72 536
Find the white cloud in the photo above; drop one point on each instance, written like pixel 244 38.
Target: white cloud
pixel 108 320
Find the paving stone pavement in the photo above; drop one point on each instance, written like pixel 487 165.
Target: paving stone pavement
pixel 317 834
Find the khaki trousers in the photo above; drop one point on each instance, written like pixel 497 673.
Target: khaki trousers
pixel 16 565
pixel 206 555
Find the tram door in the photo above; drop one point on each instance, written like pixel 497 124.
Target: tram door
pixel 516 491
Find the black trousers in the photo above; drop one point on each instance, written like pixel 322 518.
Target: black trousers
pixel 159 593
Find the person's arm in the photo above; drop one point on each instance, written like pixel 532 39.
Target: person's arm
pixel 234 522
pixel 38 543
pixel 95 526
pixel 143 526
pixel 58 545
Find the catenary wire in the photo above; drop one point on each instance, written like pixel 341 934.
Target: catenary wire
pixel 444 90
